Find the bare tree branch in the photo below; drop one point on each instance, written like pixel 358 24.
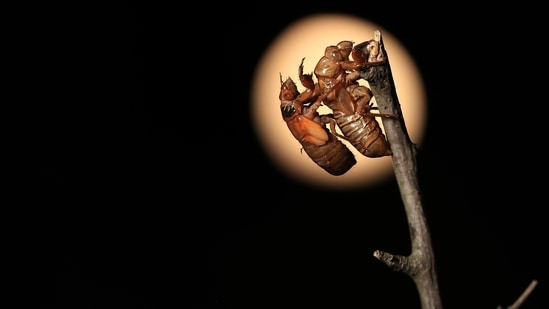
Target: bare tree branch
pixel 523 296
pixel 420 264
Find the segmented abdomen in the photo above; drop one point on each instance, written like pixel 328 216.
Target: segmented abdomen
pixel 334 157
pixel 364 133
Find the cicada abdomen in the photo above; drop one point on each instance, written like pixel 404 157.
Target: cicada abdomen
pixel 309 128
pixel 361 128
pixel 334 157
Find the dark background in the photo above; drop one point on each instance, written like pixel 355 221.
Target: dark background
pixel 152 191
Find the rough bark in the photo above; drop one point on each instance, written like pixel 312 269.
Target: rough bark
pixel 420 264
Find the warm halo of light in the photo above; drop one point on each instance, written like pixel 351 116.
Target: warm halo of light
pixel 308 38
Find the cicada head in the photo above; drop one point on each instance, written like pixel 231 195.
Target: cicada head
pixel 288 90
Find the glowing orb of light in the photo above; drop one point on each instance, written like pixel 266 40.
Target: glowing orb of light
pixel 308 38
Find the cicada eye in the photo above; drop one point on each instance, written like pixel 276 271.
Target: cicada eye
pixel 288 95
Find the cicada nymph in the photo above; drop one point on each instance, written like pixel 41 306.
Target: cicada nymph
pixel 349 101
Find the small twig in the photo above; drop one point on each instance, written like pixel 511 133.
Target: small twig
pixel 420 264
pixel 523 296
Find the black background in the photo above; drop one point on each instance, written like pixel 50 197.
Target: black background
pixel 152 191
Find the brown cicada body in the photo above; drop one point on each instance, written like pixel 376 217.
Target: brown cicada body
pixel 349 101
pixel 309 128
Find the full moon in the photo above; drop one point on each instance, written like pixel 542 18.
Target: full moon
pixel 307 38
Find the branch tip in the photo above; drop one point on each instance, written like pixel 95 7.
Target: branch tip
pixel 522 296
pixel 377 36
